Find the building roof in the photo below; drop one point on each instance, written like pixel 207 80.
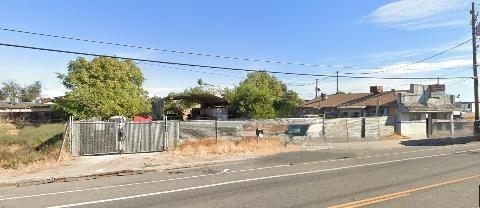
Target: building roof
pixel 352 107
pixel 204 99
pixel 353 99
pixel 419 107
pixel 23 105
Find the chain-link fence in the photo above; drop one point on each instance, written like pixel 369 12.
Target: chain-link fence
pixel 444 128
pixel 99 137
pixel 90 138
pixel 143 137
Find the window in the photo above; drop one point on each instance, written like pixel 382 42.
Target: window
pixel 415 116
pixel 443 116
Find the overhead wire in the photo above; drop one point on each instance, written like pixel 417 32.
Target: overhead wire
pixel 212 67
pixel 174 51
pixel 416 62
pixel 232 57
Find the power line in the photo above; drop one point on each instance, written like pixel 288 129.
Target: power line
pixel 228 57
pixel 450 84
pixel 293 84
pixel 175 51
pixel 443 75
pixel 215 67
pixel 190 70
pixel 416 62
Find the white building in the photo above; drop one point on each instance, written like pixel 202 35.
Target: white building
pixel 421 106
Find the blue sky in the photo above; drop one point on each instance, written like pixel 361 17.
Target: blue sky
pixel 363 34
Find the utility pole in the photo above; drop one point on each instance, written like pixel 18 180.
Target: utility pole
pixel 337 83
pixel 474 44
pixel 316 88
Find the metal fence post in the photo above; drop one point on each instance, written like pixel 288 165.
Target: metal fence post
pixel 70 136
pixel 177 137
pixel 165 132
pixel 378 128
pixel 216 131
pixel 323 125
pixel 121 132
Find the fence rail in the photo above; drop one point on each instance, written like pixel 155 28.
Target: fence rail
pixel 91 138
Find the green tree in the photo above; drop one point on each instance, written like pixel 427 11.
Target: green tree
pixel 261 96
pixel 10 89
pixel 103 87
pixel 26 94
pixel 31 92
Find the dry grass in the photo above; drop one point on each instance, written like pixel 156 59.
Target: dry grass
pixel 7 126
pixel 396 136
pixel 248 145
pixel 29 145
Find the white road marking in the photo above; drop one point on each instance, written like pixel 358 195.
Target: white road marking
pixel 253 179
pixel 212 174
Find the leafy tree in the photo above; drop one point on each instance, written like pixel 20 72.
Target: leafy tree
pixel 32 91
pixel 26 94
pixel 261 96
pixel 103 87
pixel 10 89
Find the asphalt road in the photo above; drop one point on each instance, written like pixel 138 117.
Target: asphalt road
pixel 412 176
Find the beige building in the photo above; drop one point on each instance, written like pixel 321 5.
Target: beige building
pixel 423 109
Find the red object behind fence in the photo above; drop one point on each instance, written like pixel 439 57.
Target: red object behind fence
pixel 146 118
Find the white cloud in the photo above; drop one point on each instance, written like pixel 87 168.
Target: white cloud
pixel 52 93
pixel 160 91
pixel 401 68
pixel 420 14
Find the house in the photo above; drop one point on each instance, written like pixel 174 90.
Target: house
pixel 424 109
pixel 421 111
pixel 376 102
pixel 12 110
pixel 208 107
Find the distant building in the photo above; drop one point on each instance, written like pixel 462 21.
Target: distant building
pixel 377 102
pixel 209 107
pixel 420 106
pixel 466 107
pixel 414 112
pixel 12 110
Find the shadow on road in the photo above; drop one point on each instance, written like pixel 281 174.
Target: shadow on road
pixel 440 141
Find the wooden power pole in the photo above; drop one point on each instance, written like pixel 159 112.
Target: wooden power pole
pixel 474 44
pixel 316 88
pixel 337 83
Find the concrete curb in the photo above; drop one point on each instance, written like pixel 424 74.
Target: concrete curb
pixel 126 172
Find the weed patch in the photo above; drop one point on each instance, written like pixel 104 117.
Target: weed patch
pixel 251 145
pixel 29 145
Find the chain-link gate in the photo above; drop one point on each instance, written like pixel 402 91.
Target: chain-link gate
pixel 95 138
pixel 91 138
pixel 143 137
